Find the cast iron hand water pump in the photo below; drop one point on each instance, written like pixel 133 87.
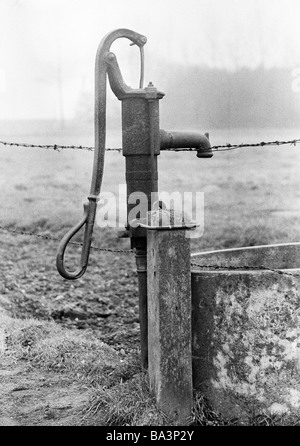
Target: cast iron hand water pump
pixel 142 140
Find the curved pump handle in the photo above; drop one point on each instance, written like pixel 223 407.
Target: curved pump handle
pixel 87 220
pixel 100 137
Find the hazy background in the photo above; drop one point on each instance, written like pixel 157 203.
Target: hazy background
pixel 221 63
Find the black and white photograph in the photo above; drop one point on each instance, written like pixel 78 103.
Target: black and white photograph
pixel 150 215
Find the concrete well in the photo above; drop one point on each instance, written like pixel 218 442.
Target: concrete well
pixel 246 330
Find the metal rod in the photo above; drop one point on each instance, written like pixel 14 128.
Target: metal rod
pixel 141 85
pixel 141 264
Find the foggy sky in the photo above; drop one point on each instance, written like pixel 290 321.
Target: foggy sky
pixel 48 47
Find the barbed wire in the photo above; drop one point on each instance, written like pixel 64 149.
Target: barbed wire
pixel 215 148
pixel 131 251
pixel 49 237
pixel 224 147
pixel 56 147
pixel 292 142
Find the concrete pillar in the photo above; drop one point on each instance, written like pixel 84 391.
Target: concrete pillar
pixel 169 321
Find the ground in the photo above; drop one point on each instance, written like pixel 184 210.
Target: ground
pixel 34 396
pixel 251 197
pixel 29 397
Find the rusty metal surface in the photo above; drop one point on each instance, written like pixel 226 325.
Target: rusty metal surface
pixel 163 219
pixel 141 267
pixel 175 139
pixel 98 165
pixel 87 220
pixel 142 140
pixel 100 99
pixel 140 134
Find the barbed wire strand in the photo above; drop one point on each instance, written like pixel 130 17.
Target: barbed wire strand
pixel 48 237
pixel 56 147
pixel 225 147
pixel 127 251
pixel 215 148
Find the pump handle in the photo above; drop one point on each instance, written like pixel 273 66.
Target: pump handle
pixel 100 137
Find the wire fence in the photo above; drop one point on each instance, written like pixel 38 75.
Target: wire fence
pixel 56 147
pixel 131 251
pixel 55 239
pixel 215 148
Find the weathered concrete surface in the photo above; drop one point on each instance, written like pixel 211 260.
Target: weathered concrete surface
pixel 246 340
pixel 169 322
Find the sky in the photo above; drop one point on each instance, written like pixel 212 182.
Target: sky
pixel 48 47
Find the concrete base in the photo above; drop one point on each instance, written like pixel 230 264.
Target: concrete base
pixel 246 335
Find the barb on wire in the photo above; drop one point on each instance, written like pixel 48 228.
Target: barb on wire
pixel 48 237
pixel 225 147
pixel 127 251
pixel 216 148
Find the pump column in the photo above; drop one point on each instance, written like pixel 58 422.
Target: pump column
pixel 141 145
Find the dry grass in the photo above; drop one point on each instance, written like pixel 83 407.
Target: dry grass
pixel 48 346
pixel 203 415
pixel 128 404
pixel 120 387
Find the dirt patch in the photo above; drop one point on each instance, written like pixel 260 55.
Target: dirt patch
pixel 33 396
pixel 104 301
pixel 54 376
pixel 29 398
pixel 103 306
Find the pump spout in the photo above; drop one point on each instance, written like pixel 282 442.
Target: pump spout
pixel 180 140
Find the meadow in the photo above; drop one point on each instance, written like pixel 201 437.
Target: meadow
pixel 251 197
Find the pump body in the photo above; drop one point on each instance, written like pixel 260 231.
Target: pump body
pixel 142 140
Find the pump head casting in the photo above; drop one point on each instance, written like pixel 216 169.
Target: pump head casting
pixel 142 141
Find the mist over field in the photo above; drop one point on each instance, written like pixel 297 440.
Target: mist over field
pixel 221 63
pixel 199 98
pixel 218 98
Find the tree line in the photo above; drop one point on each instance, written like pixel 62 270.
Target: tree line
pixel 218 98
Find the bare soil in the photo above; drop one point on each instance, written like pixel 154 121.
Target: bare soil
pixel 31 287
pixel 31 398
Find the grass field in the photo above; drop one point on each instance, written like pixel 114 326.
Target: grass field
pixel 252 197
